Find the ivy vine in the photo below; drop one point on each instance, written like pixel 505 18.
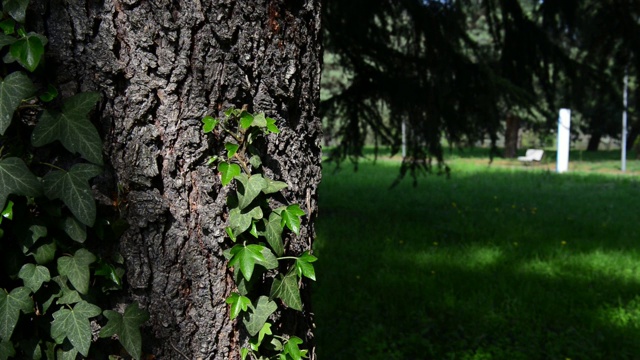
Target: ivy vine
pixel 53 280
pixel 255 226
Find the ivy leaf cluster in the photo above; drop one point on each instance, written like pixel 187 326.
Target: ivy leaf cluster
pixel 256 227
pixel 51 281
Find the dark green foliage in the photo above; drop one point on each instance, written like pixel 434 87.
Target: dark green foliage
pixel 52 285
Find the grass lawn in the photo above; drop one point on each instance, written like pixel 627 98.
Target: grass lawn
pixel 498 262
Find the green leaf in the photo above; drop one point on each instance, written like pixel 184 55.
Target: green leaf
pixel 291 348
pixel 229 231
pixel 50 94
pixel 291 217
pixel 274 186
pixel 259 120
pixel 15 178
pixel 71 127
pixel 8 26
pixel 256 342
pixel 7 213
pixel 231 149
pixel 240 221
pixel 270 261
pixel 238 303
pixel 16 9
pixel 66 354
pixel 74 325
pixel 108 271
pixel 75 230
pixel 34 276
pixel 304 267
pixel 228 171
pixel 243 353
pixel 28 51
pixel 209 123
pixel 271 126
pixel 273 233
pixel 6 350
pixel 13 89
pixel 127 327
pixel 10 306
pixel 6 40
pixel 76 268
pixel 286 288
pixel 73 189
pixel 45 253
pixel 250 189
pixel 255 162
pixel 256 319
pixel 246 120
pixel 246 257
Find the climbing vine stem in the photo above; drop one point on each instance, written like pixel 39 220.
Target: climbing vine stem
pixel 256 224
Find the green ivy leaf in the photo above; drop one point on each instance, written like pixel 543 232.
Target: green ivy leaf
pixel 16 9
pixel 76 268
pixel 256 162
pixel 256 342
pixel 10 306
pixel 15 178
pixel 6 350
pixel 286 288
pixel 50 94
pixel 259 120
pixel 239 222
pixel 45 253
pixel 13 89
pixel 304 267
pixel 127 327
pixel 7 213
pixel 291 217
pixel 291 348
pixel 66 354
pixel 108 271
pixel 209 123
pixel 34 276
pixel 75 230
pixel 238 303
pixel 72 187
pixel 71 127
pixel 74 325
pixel 6 40
pixel 228 171
pixel 271 126
pixel 65 295
pixel 28 51
pixel 231 149
pixel 273 233
pixel 274 186
pixel 256 319
pixel 246 120
pixel 270 260
pixel 250 189
pixel 246 257
pixel 8 26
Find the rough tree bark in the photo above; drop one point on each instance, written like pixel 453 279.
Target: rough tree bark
pixel 161 65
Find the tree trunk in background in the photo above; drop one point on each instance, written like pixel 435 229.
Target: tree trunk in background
pixel 511 136
pixel 594 142
pixel 161 66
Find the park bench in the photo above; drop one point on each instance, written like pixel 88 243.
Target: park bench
pixel 531 155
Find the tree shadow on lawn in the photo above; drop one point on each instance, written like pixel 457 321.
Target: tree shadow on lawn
pixel 441 277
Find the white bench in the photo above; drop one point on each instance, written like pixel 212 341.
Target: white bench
pixel 531 156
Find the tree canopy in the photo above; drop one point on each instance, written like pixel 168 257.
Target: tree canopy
pixel 455 69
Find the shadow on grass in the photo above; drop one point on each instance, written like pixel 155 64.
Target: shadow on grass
pixel 497 265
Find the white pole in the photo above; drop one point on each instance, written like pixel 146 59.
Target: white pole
pixel 624 121
pixel 404 139
pixel 564 138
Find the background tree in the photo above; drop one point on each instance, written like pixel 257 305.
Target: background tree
pixel 161 66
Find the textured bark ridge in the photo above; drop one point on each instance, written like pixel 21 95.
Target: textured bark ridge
pixel 161 66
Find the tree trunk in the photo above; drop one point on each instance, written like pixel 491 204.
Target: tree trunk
pixel 594 141
pixel 511 136
pixel 161 66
